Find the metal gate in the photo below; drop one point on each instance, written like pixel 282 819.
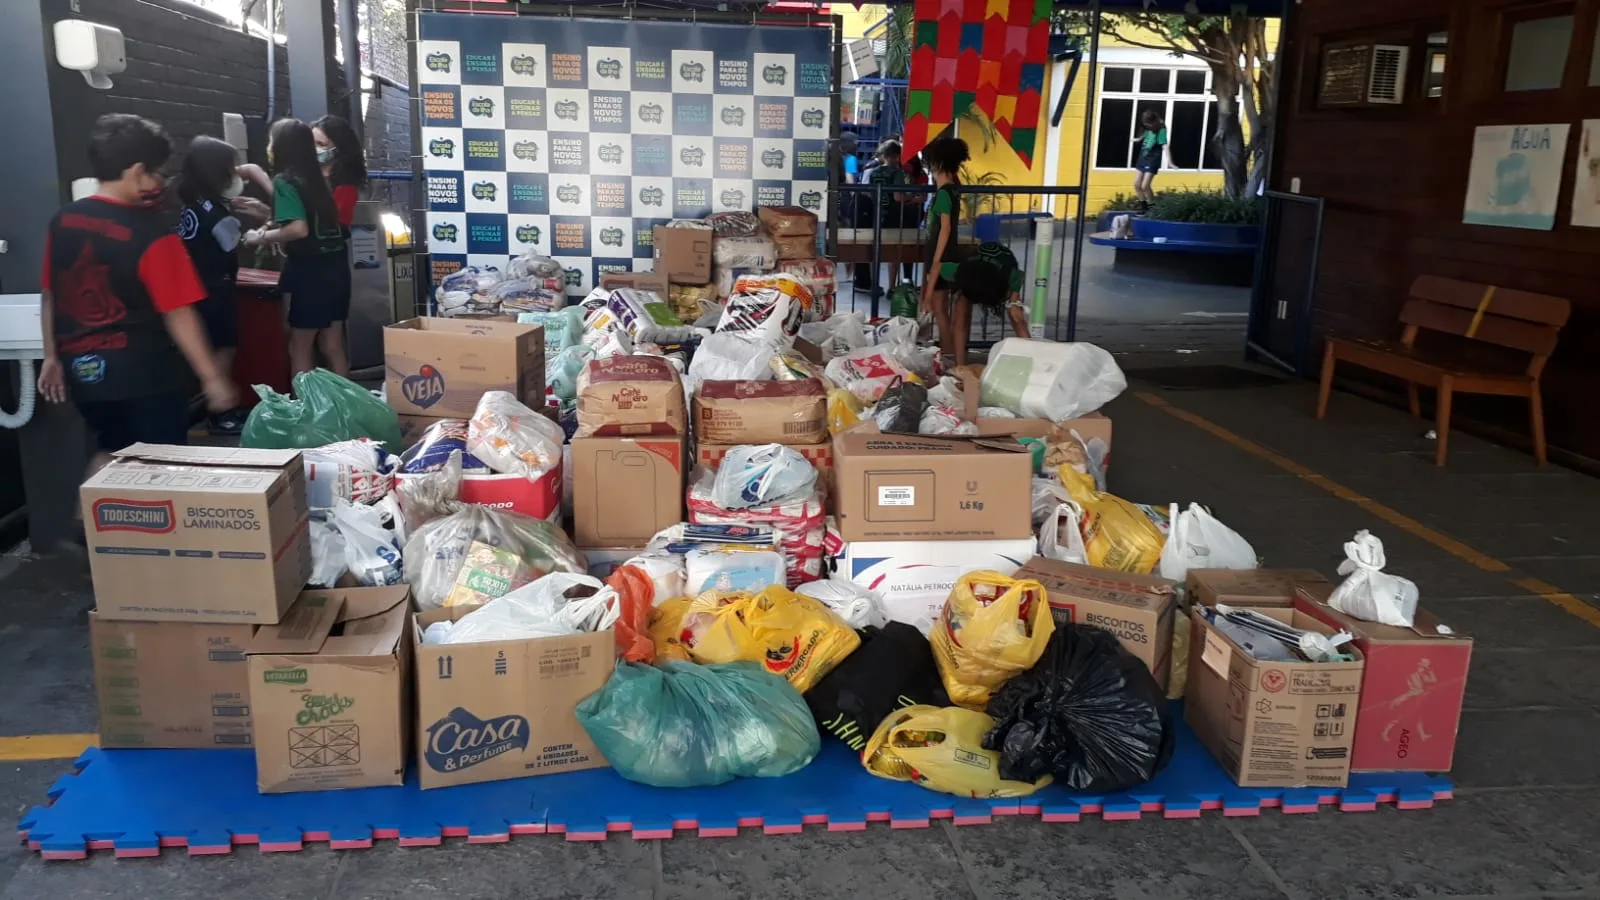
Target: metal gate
pixel 1282 298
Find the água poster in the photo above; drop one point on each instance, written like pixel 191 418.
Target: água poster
pixel 1515 179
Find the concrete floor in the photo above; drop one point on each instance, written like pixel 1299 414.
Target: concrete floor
pixel 1522 824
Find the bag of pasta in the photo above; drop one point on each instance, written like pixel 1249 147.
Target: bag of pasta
pixel 992 627
pixel 790 635
pixel 1117 534
pixel 941 749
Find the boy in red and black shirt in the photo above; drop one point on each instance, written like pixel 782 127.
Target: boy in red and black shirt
pixel 118 293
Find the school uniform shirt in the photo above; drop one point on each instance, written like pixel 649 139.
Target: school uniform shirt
pixel 1005 262
pixel 113 271
pixel 212 233
pixel 288 206
pixel 945 203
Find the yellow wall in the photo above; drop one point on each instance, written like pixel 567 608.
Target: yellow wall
pixel 857 21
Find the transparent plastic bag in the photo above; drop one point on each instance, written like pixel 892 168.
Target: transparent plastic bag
pixel 859 607
pixel 325 409
pixel 429 495
pixel 942 750
pixel 371 551
pixel 511 438
pixel 327 554
pixel 762 475
pixel 992 627
pixel 437 550
pixel 556 605
pixel 1061 537
pixel 681 724
pixel 1368 592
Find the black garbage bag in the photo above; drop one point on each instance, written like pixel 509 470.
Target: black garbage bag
pixel 900 408
pixel 1088 712
pixel 892 668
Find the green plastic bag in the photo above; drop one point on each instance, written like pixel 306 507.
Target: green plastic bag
pixel 325 409
pixel 904 301
pixel 684 724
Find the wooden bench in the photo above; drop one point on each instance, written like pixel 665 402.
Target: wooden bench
pixel 1485 317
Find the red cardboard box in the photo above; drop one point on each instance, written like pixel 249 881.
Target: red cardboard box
pixel 1411 692
pixel 540 499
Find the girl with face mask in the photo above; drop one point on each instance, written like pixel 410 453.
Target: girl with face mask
pixel 343 163
pixel 207 186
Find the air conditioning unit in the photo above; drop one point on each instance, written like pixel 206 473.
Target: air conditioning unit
pixel 1363 75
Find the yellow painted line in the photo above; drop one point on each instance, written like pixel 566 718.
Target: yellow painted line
pixel 1393 517
pixel 45 746
pixel 1542 589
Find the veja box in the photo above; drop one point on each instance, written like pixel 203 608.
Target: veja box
pixel 894 487
pixel 624 490
pixel 329 691
pixel 412 427
pixel 1139 609
pixel 492 710
pixel 1248 587
pixel 197 534
pixel 683 254
pixel 171 684
pixel 915 577
pixel 441 367
pixel 1412 691
pixel 1272 724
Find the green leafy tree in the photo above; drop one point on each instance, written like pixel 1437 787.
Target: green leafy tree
pixel 1243 76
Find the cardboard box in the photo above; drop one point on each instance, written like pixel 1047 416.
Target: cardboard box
pixel 761 412
pixel 505 709
pixel 1094 425
pixel 1272 724
pixel 329 691
pixel 915 577
pixel 1411 693
pixel 796 246
pixel 171 684
pixel 1247 587
pixel 440 367
pixel 1141 610
pixel 639 281
pixel 909 487
pixel 625 489
pixel 197 534
pixel 683 254
pixel 412 427
pixel 631 396
pixel 787 220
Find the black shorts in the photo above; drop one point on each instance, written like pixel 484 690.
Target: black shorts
pixel 318 288
pixel 1149 161
pixel 220 311
pixel 153 419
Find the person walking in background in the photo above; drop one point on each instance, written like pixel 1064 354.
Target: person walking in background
pixel 118 301
pixel 207 187
pixel 316 273
pixel 944 158
pixel 1152 148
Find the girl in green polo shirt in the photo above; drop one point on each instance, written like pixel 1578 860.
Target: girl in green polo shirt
pixel 944 158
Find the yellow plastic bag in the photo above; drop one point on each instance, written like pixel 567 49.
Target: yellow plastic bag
pixel 941 750
pixel 844 410
pixel 992 627
pixel 666 629
pixel 790 635
pixel 1116 534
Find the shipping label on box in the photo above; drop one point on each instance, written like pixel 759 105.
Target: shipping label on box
pixel 328 691
pixel 171 684
pixel 441 367
pixel 625 489
pixel 1272 724
pixel 915 578
pixel 1139 609
pixel 1412 691
pixel 493 710
pixel 910 487
pixel 168 527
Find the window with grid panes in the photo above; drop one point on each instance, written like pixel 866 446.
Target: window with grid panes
pixel 1181 96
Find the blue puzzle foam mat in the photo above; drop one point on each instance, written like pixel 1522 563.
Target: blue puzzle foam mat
pixel 135 802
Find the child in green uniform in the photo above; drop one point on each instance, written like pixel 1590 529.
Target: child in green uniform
pixel 993 280
pixel 944 158
pixel 1152 148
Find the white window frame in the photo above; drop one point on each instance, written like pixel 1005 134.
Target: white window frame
pixel 1172 68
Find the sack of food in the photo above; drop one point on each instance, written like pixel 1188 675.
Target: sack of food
pixel 762 475
pixel 992 627
pixel 816 273
pixel 512 439
pixel 899 409
pixel 680 724
pixel 792 636
pixel 798 524
pixel 689 300
pixel 732 569
pixel 732 356
pixel 858 606
pixel 761 412
pixel 733 224
pixel 646 317
pixel 795 246
pixel 786 221
pixel 627 396
pixel 1368 592
pixel 1117 534
pixel 360 471
pixel 753 251
pixel 556 605
pixel 766 306
pixel 844 410
pixel 942 750
pixel 475 554
pixel 371 550
pixel 791 366
pixel 432 450
pixel 1050 380
pixel 1198 540
pixel 892 668
pixel 867 372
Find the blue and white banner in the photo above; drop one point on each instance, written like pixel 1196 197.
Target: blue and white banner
pixel 573 138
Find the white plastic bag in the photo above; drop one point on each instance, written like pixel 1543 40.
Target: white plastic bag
pixel 359 470
pixel 1370 593
pixel 841 333
pixel 897 330
pixel 731 356
pixel 513 439
pixel 762 475
pixel 1197 540
pixel 1050 380
pixel 538 609
pixel 865 372
pixel 1047 492
pixel 1061 535
pixel 371 551
pixel 859 607
pixel 666 572
pixel 327 554
pixel 732 570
